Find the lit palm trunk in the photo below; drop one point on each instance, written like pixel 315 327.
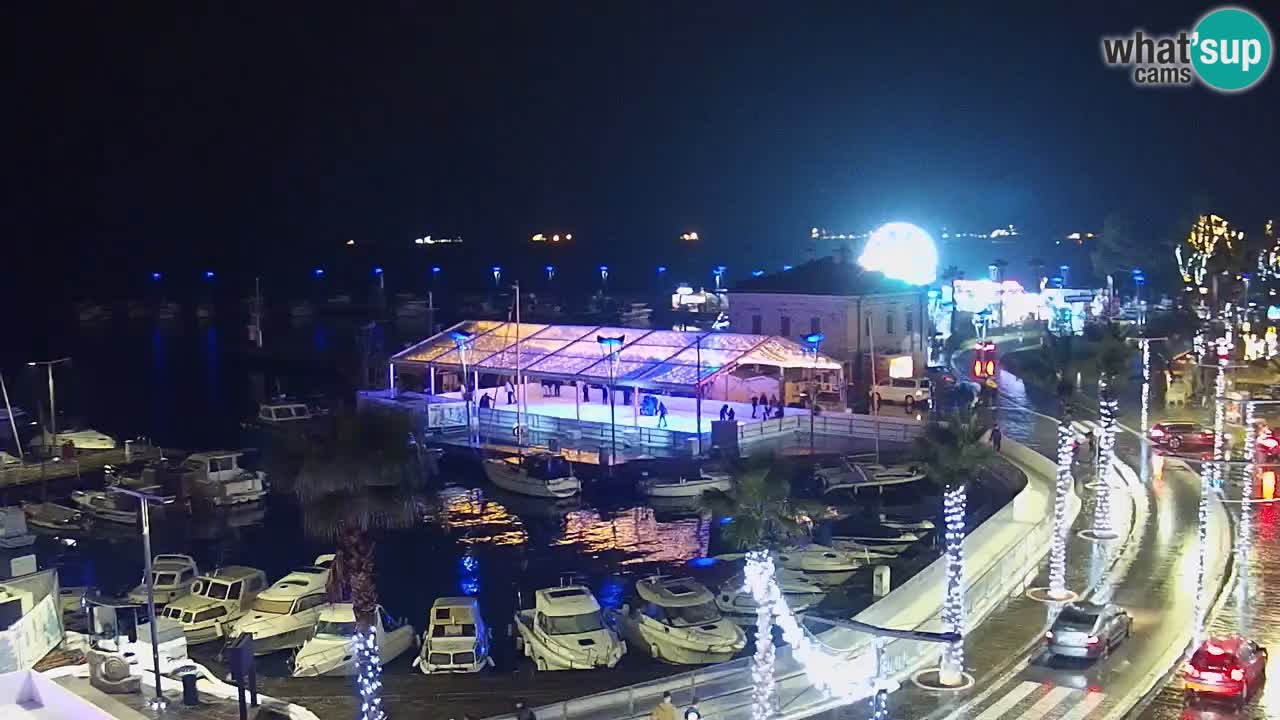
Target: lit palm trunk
pixel 1102 510
pixel 1058 550
pixel 953 614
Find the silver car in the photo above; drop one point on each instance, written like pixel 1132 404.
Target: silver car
pixel 1088 630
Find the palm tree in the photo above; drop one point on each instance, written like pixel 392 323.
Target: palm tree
pixel 359 479
pixel 764 513
pixel 1110 355
pixel 954 453
pixel 1056 363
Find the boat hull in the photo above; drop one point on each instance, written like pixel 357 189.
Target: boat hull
pixel 516 481
pixel 547 656
pixel 691 489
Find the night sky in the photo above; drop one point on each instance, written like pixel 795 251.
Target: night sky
pixel 269 133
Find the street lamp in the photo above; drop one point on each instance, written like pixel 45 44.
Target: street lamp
pixel 53 408
pixel 610 346
pixel 462 341
pixel 145 499
pixel 814 340
pixel 497 275
pixel 719 275
pixel 604 275
pixel 551 273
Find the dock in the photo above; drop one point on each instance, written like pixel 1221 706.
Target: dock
pixel 89 461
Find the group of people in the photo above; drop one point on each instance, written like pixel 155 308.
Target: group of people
pixel 764 403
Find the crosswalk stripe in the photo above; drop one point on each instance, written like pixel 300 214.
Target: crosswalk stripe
pixel 1009 701
pixel 1046 703
pixel 1084 707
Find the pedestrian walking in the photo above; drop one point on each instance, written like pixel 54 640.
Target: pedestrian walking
pixel 555 387
pixel 733 416
pixel 755 406
pixel 662 414
pixel 665 710
pixel 511 393
pixel 724 412
pixel 996 437
pixel 523 712
pixel 604 394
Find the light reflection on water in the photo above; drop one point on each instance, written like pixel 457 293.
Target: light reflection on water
pixel 637 534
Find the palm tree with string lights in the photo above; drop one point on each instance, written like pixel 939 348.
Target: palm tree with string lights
pixel 954 453
pixel 360 478
pixel 1110 354
pixel 1055 365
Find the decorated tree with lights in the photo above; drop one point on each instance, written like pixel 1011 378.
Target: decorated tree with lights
pixel 1056 368
pixel 359 478
pixel 764 517
pixel 954 453
pixel 1110 355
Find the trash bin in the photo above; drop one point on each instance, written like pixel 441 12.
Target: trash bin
pixel 190 696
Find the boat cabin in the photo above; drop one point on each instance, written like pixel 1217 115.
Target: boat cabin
pixel 677 602
pixel 283 412
pixel 171 577
pixel 215 465
pixel 216 600
pixel 456 639
pixel 544 466
pixel 566 610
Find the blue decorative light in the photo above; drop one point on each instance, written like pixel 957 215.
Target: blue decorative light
pixel 662 269
pixel 435 269
pixel 208 274
pixel 814 339
pixel 156 276
pixel 377 270
pixel 757 273
pixel 703 562
pixel 318 272
pixel 786 268
pixel 726 520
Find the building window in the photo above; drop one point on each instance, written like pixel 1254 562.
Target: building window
pixel 815 325
pixel 909 324
pixel 784 326
pixel 756 323
pixel 888 321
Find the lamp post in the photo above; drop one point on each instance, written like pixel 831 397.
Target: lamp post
pixel 814 341
pixel 610 346
pixel 462 341
pixel 145 499
pixel 53 408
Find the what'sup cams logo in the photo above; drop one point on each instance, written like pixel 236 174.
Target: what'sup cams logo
pixel 1229 50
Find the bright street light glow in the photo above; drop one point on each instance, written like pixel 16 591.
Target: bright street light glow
pixel 377 270
pixel 901 251
pixel 318 272
pixel 208 274
pixel 155 276
pixel 757 273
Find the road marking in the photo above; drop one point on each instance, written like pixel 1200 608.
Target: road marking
pixel 1009 701
pixel 1046 703
pixel 1084 707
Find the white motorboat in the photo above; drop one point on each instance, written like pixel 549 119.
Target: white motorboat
pixel 216 602
pixel 849 474
pixel 690 485
pixel 892 538
pixel 566 631
pixel 819 559
pixel 330 650
pixel 7 459
pixel 80 439
pixel 171 578
pixel 284 615
pixel 456 640
pixel 112 507
pixel 677 620
pixel 52 516
pixel 219 478
pixel 869 554
pixel 543 475
pixel 800 591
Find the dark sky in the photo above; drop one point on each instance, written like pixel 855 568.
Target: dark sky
pixel 279 129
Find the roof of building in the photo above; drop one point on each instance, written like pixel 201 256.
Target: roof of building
pixel 646 357
pixel 824 276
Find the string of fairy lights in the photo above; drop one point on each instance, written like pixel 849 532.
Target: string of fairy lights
pixel 1058 549
pixel 1102 510
pixel 953 509
pixel 369 680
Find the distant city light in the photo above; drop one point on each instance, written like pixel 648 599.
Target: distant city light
pixel 208 274
pixel 435 269
pixel 901 251
pixel 543 237
pixel 351 242
pixel 555 238
pixel 662 269
pixel 757 273
pixel 155 276
pixel 551 272
pixel 377 270
pixel 786 268
pixel 689 236
pixel 318 272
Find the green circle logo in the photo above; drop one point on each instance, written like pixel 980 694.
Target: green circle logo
pixel 1231 49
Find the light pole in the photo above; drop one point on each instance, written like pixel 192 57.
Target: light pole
pixel 145 499
pixel 462 341
pixel 610 346
pixel 53 408
pixel 697 389
pixel 815 344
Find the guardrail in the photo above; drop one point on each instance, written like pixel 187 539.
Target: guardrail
pixel 504 422
pixel 1001 555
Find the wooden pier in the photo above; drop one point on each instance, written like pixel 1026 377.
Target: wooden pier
pixel 86 462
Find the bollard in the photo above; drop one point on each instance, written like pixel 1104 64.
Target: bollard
pixel 880 581
pixel 190 696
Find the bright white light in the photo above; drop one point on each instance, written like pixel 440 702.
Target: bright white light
pixel 901 251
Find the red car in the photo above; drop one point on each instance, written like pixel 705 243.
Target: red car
pixel 1228 667
pixel 1178 436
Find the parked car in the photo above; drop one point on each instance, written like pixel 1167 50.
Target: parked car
pixel 1088 630
pixel 1226 666
pixel 903 391
pixel 1179 436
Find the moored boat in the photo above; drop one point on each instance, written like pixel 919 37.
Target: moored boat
pixel 677 620
pixel 544 475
